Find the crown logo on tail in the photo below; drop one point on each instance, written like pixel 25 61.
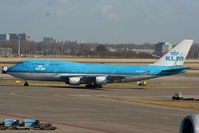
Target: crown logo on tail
pixel 174 53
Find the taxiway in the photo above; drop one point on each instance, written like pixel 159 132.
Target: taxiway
pixel 79 110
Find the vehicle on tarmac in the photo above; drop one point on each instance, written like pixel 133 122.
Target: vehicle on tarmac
pixel 10 124
pixel 96 75
pixel 179 96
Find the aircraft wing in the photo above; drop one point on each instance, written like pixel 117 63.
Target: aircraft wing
pixel 102 78
pixel 92 77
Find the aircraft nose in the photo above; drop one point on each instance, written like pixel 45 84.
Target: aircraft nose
pixel 4 69
pixel 11 69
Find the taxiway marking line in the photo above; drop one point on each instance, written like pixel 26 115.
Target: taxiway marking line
pixel 16 93
pixel 108 97
pixel 12 93
pixel 128 101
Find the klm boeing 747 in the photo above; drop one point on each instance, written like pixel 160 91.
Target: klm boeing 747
pixel 96 75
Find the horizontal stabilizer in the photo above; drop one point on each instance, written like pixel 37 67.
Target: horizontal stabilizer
pixel 173 70
pixel 193 68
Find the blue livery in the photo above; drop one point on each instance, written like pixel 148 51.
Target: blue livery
pixel 96 75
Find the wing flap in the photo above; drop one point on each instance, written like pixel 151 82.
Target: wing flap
pixel 92 78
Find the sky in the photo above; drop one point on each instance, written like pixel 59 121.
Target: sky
pixel 103 21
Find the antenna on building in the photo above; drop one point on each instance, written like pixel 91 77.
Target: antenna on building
pixel 19 47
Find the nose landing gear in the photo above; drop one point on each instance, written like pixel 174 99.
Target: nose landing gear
pixel 4 69
pixel 26 83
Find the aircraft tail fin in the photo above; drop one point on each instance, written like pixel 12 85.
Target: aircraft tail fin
pixel 177 55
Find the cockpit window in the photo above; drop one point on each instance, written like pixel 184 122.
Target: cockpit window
pixel 20 62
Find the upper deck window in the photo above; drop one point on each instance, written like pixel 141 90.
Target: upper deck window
pixel 52 64
pixel 20 62
pixel 37 64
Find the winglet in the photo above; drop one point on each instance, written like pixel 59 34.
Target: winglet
pixel 177 55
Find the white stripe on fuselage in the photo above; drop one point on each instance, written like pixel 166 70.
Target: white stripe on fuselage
pixel 62 76
pixel 45 76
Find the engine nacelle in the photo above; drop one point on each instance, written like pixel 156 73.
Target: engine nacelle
pixel 101 80
pixel 190 124
pixel 74 80
pixel 4 69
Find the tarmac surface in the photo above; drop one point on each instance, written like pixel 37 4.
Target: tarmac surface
pixel 80 110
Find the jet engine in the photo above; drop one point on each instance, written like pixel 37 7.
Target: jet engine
pixel 74 81
pixel 101 80
pixel 190 124
pixel 4 69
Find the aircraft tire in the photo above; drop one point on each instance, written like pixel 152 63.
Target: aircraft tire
pixel 98 86
pixel 26 83
pixel 89 86
pixel 93 85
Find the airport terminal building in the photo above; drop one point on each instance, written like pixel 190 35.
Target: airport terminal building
pixel 162 47
pixel 15 36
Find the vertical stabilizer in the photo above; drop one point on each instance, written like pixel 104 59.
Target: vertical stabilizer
pixel 177 55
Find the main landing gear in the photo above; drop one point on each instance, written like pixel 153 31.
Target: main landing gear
pixel 93 85
pixel 26 83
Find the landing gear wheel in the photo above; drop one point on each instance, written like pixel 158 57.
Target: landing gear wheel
pixel 26 83
pixel 89 85
pixel 93 85
pixel 98 86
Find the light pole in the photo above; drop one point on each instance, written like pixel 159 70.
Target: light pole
pixel 19 48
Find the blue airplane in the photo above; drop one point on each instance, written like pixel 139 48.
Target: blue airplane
pixel 96 75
